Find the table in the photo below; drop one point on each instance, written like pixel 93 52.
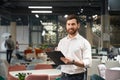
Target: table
pixel 49 72
pixel 113 73
pixel 115 68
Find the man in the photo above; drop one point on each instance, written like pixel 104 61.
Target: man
pixel 10 46
pixel 76 49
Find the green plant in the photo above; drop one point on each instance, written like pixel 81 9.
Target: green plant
pixel 21 76
pixel 43 46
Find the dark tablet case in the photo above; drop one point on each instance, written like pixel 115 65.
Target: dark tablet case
pixel 55 56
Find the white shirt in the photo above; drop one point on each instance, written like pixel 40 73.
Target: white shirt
pixel 77 48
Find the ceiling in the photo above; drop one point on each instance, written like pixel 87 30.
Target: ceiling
pixel 15 7
pixel 18 9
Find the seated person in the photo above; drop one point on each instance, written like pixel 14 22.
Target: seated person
pixel 96 77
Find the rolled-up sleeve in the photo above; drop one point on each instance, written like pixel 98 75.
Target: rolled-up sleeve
pixel 87 56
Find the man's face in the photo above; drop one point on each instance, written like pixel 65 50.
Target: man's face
pixel 72 26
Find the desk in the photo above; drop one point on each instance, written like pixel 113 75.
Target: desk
pixel 50 72
pixel 113 73
pixel 115 68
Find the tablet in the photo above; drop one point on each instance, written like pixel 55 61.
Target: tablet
pixel 55 56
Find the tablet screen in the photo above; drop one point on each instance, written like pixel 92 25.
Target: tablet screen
pixel 55 56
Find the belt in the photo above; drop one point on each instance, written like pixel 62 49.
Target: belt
pixel 70 75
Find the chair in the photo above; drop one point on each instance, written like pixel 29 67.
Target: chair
pixel 28 51
pixel 48 49
pixel 15 68
pixel 38 52
pixel 37 77
pixel 29 54
pixel 93 69
pixel 101 70
pixel 43 66
pixel 104 58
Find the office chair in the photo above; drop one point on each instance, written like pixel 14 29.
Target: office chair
pixel 15 68
pixel 37 77
pixel 43 66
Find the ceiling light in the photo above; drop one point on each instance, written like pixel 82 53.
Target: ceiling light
pixel 41 11
pixel 36 15
pixel 40 7
pixel 65 16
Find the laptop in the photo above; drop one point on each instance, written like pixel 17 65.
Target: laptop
pixel 55 57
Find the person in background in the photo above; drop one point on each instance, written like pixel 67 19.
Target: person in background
pixel 10 46
pixel 76 49
pixel 17 47
pixel 17 53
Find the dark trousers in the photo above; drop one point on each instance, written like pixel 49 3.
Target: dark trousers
pixel 79 76
pixel 9 55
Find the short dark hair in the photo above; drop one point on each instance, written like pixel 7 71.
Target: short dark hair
pixel 73 16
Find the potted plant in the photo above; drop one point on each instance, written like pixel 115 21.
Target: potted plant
pixel 21 76
pixel 43 47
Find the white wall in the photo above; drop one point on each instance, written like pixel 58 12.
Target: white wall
pixel 22 36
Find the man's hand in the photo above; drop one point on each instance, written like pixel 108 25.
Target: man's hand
pixel 69 61
pixel 66 60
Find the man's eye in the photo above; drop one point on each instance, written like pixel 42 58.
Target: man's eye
pixel 73 24
pixel 68 24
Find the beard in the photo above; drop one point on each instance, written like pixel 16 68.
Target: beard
pixel 71 31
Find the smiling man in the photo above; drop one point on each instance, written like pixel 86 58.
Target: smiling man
pixel 76 49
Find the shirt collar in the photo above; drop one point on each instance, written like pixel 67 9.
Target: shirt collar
pixel 75 37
